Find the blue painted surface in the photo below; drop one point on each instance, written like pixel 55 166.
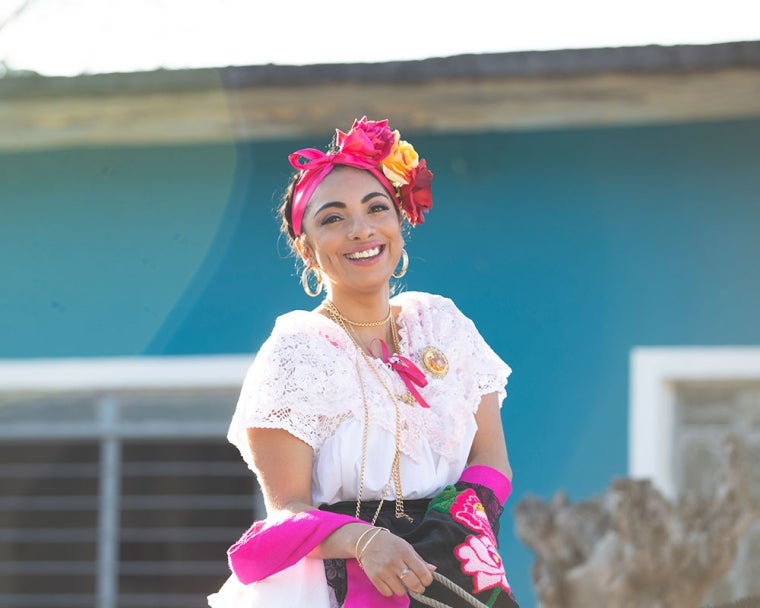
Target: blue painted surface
pixel 97 246
pixel 567 248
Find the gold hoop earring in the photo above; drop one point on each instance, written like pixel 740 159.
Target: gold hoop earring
pixel 305 281
pixel 404 265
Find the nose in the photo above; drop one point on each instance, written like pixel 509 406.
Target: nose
pixel 361 228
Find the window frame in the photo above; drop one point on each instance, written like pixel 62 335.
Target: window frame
pixel 106 376
pixel 654 373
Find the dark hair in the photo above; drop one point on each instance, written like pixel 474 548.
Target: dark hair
pixel 285 210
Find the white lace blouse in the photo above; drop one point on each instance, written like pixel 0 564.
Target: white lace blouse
pixel 305 379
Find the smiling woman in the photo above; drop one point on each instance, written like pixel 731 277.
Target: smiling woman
pixel 372 423
pixel 352 236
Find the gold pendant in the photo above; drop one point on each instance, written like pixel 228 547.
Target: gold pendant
pixel 408 398
pixel 435 362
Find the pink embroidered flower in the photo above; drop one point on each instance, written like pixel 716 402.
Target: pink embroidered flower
pixel 481 561
pixel 470 512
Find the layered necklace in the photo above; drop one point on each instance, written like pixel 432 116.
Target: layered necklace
pixel 411 376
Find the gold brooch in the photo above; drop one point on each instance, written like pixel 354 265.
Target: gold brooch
pixel 435 362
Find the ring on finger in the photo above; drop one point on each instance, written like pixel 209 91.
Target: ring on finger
pixel 403 573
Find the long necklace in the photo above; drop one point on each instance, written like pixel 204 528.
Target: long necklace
pixel 407 398
pixel 412 377
pixel 395 474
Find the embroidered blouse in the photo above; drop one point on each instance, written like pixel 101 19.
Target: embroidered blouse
pixel 307 379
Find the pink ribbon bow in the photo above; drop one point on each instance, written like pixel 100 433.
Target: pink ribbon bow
pixel 410 374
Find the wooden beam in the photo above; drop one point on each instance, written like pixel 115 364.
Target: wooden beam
pixel 195 106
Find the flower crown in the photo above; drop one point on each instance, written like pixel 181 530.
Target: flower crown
pixel 369 145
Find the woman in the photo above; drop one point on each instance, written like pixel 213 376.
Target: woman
pixel 371 422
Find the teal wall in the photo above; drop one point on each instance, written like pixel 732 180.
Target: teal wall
pixel 568 248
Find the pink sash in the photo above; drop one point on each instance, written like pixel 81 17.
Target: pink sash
pixel 269 547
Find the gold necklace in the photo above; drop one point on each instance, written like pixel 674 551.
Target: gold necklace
pixel 335 312
pixel 395 474
pixel 337 316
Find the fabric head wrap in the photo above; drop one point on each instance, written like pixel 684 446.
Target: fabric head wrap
pixel 372 146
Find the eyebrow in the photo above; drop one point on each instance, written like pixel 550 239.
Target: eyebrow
pixel 341 205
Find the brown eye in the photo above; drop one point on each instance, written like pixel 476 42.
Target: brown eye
pixel 330 219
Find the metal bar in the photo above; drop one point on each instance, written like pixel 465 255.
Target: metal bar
pixel 108 521
pixel 189 568
pixel 47 535
pixel 49 600
pixel 55 568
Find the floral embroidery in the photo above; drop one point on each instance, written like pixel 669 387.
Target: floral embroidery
pixel 443 500
pixel 481 561
pixel 470 512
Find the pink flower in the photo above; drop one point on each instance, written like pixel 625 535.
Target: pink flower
pixel 481 561
pixel 469 511
pixel 371 140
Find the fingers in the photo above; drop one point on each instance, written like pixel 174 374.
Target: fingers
pixel 394 567
pixel 389 581
pixel 417 577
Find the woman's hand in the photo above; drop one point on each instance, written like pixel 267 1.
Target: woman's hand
pixel 391 564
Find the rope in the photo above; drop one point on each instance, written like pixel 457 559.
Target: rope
pixel 428 601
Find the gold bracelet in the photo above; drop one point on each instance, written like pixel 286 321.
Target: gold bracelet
pixel 358 540
pixel 369 540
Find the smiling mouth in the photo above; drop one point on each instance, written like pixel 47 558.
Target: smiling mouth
pixel 366 254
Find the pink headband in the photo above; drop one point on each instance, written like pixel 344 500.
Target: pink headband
pixel 372 146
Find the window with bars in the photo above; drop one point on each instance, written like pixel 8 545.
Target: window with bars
pixel 705 413
pixel 684 401
pixel 121 498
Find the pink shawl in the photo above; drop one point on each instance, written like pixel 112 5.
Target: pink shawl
pixel 268 547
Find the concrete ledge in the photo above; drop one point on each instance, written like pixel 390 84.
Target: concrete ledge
pixel 531 90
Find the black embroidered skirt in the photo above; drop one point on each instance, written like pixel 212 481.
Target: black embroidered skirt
pixel 456 531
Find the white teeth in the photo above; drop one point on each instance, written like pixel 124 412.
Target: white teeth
pixel 363 255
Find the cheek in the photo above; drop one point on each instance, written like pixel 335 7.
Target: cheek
pixel 325 247
pixel 395 231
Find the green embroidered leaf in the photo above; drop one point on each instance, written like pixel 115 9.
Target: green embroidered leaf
pixel 443 500
pixel 492 600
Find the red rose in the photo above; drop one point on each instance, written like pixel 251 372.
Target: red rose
pixel 416 197
pixel 371 140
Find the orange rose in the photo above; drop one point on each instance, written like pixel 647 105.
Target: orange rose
pixel 401 161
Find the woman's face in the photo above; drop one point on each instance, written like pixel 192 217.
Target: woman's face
pixel 352 230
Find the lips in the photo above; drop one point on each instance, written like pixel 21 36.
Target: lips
pixel 366 254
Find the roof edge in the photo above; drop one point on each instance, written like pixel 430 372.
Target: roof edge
pixel 523 64
pixel 519 64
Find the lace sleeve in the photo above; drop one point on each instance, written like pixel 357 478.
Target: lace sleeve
pixel 291 385
pixel 485 370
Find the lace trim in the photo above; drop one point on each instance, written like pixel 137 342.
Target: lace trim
pixel 304 380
